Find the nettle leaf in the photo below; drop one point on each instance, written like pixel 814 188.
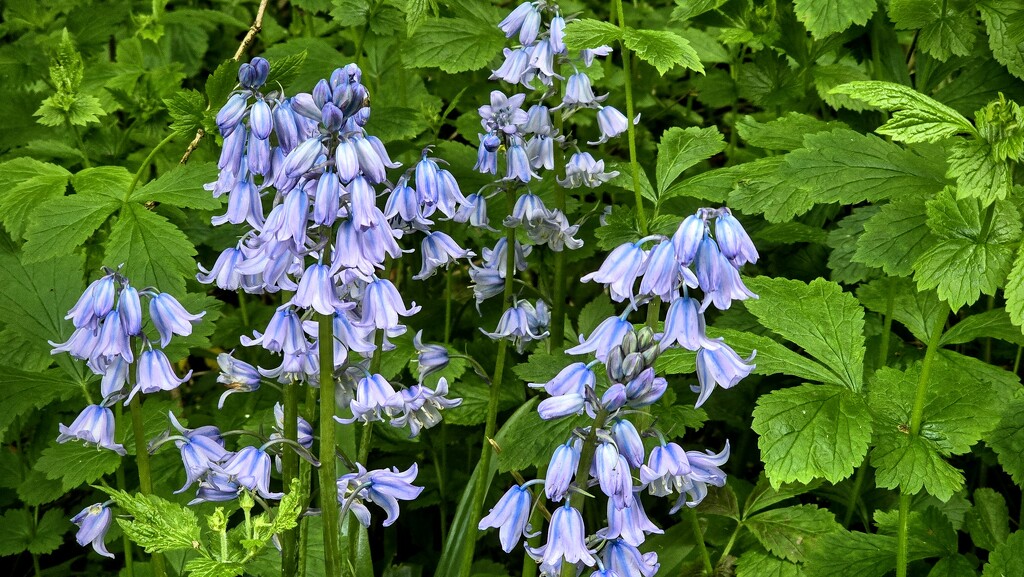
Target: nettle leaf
pixel 843 242
pixel 851 554
pixel 895 237
pixel 783 133
pixel 929 532
pixel 188 110
pixel 220 84
pixel 1014 290
pixel 994 324
pixel 945 28
pixel 624 180
pixel 758 563
pixel 961 264
pixel 1007 440
pixel 19 532
pixel 988 521
pixel 27 391
pixel 456 44
pixel 593 314
pixel 977 173
pixel 811 431
pixel 662 49
pixel 1008 558
pixel 182 187
pixel 74 463
pixel 818 317
pixel 527 441
pixel 1004 20
pixel 154 251
pixel 589 33
pixel 828 76
pixel 764 496
pixel 920 311
pixel 29 184
pixel 205 567
pixel 681 149
pixel 915 117
pixel 286 69
pixel 825 17
pixel 157 525
pixel 789 531
pixel 772 358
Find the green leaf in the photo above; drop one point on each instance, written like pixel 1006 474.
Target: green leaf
pixel 157 525
pixel 528 441
pixel 988 521
pixel 843 242
pixel 187 109
pixel 818 317
pixel 182 187
pixel 787 532
pixel 29 184
pixel 204 567
pixel 662 49
pixel 988 324
pixel 962 264
pixel 1014 290
pixel 811 431
pixel 929 532
pixel 757 563
pixel 944 30
pixel 154 252
pixel 764 496
pixel 895 237
pixel 220 84
pixel 36 489
pixel 74 463
pixel 681 149
pixel 1007 440
pixel 393 123
pixel 920 311
pixel 783 133
pixel 454 44
pixel 915 117
pixel 688 9
pixel 977 173
pixel 1008 559
pixel 17 533
pixel 286 69
pixel 1004 20
pixel 825 17
pixel 624 180
pixel 27 391
pixel 851 554
pixel 589 33
pixel 954 566
pixel 416 13
pixel 772 357
pixel 592 314
pixel 828 76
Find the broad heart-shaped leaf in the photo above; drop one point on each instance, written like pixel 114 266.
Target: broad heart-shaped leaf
pixel 662 49
pixel 915 118
pixel 182 187
pixel 811 431
pixel 1007 440
pixel 589 33
pixel 789 531
pixel 29 183
pixel 988 521
pixel 896 236
pixel 682 148
pixel 963 264
pixel 920 311
pixel 25 391
pixel 154 252
pixel 19 532
pixel 1003 19
pixel 977 173
pixel 819 317
pixel 455 44
pixel 74 463
pixel 825 17
pixel 1008 559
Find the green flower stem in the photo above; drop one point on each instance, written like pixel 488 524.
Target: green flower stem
pixel 145 476
pixel 148 160
pixel 290 470
pixel 698 537
pixel 858 484
pixel 641 216
pixel 915 429
pixel 558 282
pixel 730 543
pixel 486 451
pixel 328 461
pixel 583 472
pixel 448 306
pixel 129 561
pixel 309 410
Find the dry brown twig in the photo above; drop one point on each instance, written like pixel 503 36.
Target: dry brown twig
pixel 250 35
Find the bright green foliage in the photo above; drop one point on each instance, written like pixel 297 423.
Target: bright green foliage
pixel 1007 560
pixel 154 250
pixel 157 525
pixel 1014 289
pixel 1001 124
pixel 790 531
pixel 188 109
pixel 755 563
pixel 662 49
pixel 1007 440
pixel 915 117
pixel 30 183
pixel 68 104
pixel 921 312
pixel 977 174
pixel 945 28
pixel 811 431
pixel 181 187
pixel 784 133
pixel 1005 33
pixel 764 495
pixel 825 17
pixel 773 358
pixel 74 463
pixel 895 236
pixel 681 149
pixel 467 42
pixel 851 554
pixel 589 33
pixel 26 391
pixel 843 242
pixel 994 324
pixel 526 440
pixel 988 521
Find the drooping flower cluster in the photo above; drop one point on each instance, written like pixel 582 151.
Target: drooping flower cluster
pixel 609 453
pixel 109 337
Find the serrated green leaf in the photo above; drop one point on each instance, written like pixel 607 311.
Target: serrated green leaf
pixel 757 563
pixel 977 173
pixel 811 431
pixel 27 391
pixel 454 44
pixel 1004 20
pixel 182 187
pixel 954 566
pixel 1008 559
pixel 157 525
pixel 1014 290
pixel 527 441
pixel 187 109
pixel 542 367
pixel 851 554
pixel 204 567
pixel 662 49
pixel 764 496
pixel 789 531
pixel 284 70
pixel 994 324
pixel 929 532
pixel 589 33
pixel 394 123
pixel 594 313
pixel 681 149
pixel 416 13
pixel 819 317
pixel 895 237
pixel 946 29
pixel 154 252
pixel 624 180
pixel 772 358
pixel 19 533
pixel 783 133
pixel 988 521
pixel 220 84
pixel 843 242
pixel 1007 440
pixel 29 184
pixel 828 76
pixel 915 117
pixel 74 463
pixel 920 311
pixel 36 489
pixel 825 17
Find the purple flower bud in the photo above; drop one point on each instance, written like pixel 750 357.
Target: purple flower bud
pixel 561 406
pixel 93 426
pixel 370 163
pixel 170 318
pixel 93 523
pixel 614 398
pixel 96 301
pixel 628 440
pixel 530 26
pixel 261 120
pixel 115 376
pixel 575 378
pixel 285 125
pixel 561 470
pixel 514 21
pixel 332 117
pixel 302 158
pixel 303 104
pixel 130 309
pixel 322 93
pixel 557 37
pixel 620 270
pixel 328 199
pixel 154 373
pixel 645 389
pixel 510 515
pixel 230 115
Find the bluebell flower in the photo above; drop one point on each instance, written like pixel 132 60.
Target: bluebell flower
pixel 474 211
pixel 561 406
pixel 317 291
pixel 82 343
pixel 93 523
pixel 627 439
pixel 574 378
pixel 258 155
pixel 705 470
pixel 566 539
pixel 439 249
pixel 538 120
pixel 504 113
pixel 663 272
pixel 529 211
pixel 371 401
pixel 510 515
pixel 370 163
pixel 666 470
pixel 487 282
pixel 349 336
pixel 516 67
pixel 684 324
pixel 243 205
pixel 518 323
pixel 115 376
pixel 154 373
pixel 332 117
pixel 404 204
pixel 624 559
pixel 231 114
pixel 512 23
pixel 578 92
pixel 382 305
pixel 430 358
pixel 199 453
pixel 614 398
pixel 362 203
pixel 645 389
pixel 620 270
pixel 718 364
pixel 129 307
pixel 346 160
pixel 608 334
pixel 561 470
pixel 556 232
pixel 419 407
pixel 541 151
pixel 216 487
pixel 286 126
pixel 628 523
pixel 170 318
pixel 730 286
pixel 253 74
pixel 487 154
pixel 384 487
pixel 238 376
pixel 557 34
pixel 304 430
pixel 588 55
pixel 517 163
pixel 733 240
pixel 612 123
pixel 261 120
pixel 294 219
pixel 96 301
pixel 303 157
pixel 250 468
pixel 583 170
pixel 112 340
pixel 93 426
pixel 542 59
pixel 613 474
pixel 328 198
pixel 530 27
pixel 710 265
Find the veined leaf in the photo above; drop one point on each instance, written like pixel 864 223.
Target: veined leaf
pixel 153 251
pixel 589 33
pixel 825 17
pixel 681 149
pixel 662 49
pixel 915 118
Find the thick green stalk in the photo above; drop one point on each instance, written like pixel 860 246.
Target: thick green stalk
pixel 148 160
pixel 558 282
pixel 583 472
pixel 486 451
pixel 145 476
pixel 129 561
pixel 641 216
pixel 915 429
pixel 290 470
pixel 328 461
pixel 698 536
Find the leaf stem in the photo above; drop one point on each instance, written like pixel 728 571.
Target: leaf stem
pixel 290 470
pixel 148 160
pixel 634 166
pixel 698 536
pixel 129 561
pixel 328 460
pixel 486 451
pixel 730 543
pixel 558 280
pixel 145 476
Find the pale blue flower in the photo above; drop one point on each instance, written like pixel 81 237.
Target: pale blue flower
pixel 510 516
pixel 561 470
pixel 620 270
pixel 250 468
pixel 566 539
pixel 608 334
pixel 718 364
pixel 733 240
pixel 170 318
pixel 93 426
pixel 93 523
pixel 154 373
